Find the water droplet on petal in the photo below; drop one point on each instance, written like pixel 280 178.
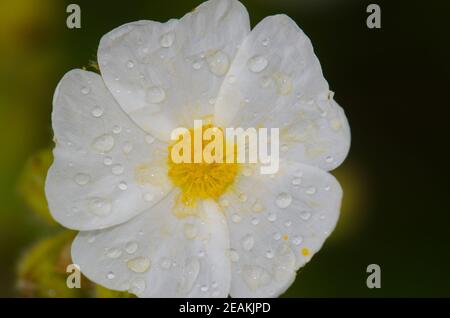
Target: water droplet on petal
pixel 311 190
pixel 255 221
pixel 234 256
pixel 113 253
pixel 270 254
pixel 265 41
pixel 272 217
pixel 196 65
pixel 139 264
pixel 156 95
pixel 97 111
pixel 131 247
pixel 247 242
pixel 305 215
pixel 127 147
pixel 167 39
pixel 257 207
pixel 123 185
pixel 190 231
pixel 165 263
pixel 130 64
pixel 82 179
pixel 283 200
pixel 191 271
pixel 255 276
pixel 283 84
pixel 100 207
pixel 85 90
pixel 116 129
pixel 117 169
pixel 107 161
pixel 296 181
pixel 138 286
pixel 236 218
pixel 103 143
pixel 110 275
pixel 204 288
pixel 242 197
pixel 257 63
pixel 218 63
pixel 329 159
pixel 297 240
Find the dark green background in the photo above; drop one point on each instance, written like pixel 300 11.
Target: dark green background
pixel 393 84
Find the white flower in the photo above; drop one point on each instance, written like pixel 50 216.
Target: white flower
pixel 111 176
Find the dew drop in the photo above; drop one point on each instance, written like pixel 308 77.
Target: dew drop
pixel 131 247
pixel 297 240
pixel 107 161
pixel 329 159
pixel 117 169
pixel 204 288
pixel 283 200
pixel 97 111
pixel 139 264
pixel 257 207
pixel 270 254
pixel 117 129
pixel 296 181
pixel 138 286
pixel 224 203
pixel 82 179
pixel 85 90
pixel 166 40
pixel 310 190
pixel 190 231
pixel 242 197
pixel 196 65
pixel 283 84
pixel 265 41
pixel 236 218
pixel 218 63
pixel 113 253
pixel 103 143
pixel 305 215
pixel 100 207
pixel 130 64
pixel 247 242
pixel 156 95
pixel 123 185
pixel 127 147
pixel 255 276
pixel 257 63
pixel 234 256
pixel 110 275
pixel 165 263
pixel 272 217
pixel 255 221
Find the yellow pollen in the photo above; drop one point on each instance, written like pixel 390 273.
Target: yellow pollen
pixel 202 180
pixel 305 251
pixel 285 237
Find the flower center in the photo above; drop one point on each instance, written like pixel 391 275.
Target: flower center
pixel 202 179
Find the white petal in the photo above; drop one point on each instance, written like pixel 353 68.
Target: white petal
pixel 157 254
pixel 276 81
pixel 106 169
pixel 277 224
pixel 166 74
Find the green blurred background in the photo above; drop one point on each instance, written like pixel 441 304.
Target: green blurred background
pixel 392 83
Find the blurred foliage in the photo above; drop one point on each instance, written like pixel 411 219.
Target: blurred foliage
pixel 32 182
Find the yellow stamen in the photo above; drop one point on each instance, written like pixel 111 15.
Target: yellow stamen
pixel 202 180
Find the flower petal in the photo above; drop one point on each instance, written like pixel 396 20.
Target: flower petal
pixel 158 254
pixel 166 74
pixel 277 224
pixel 106 169
pixel 276 81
